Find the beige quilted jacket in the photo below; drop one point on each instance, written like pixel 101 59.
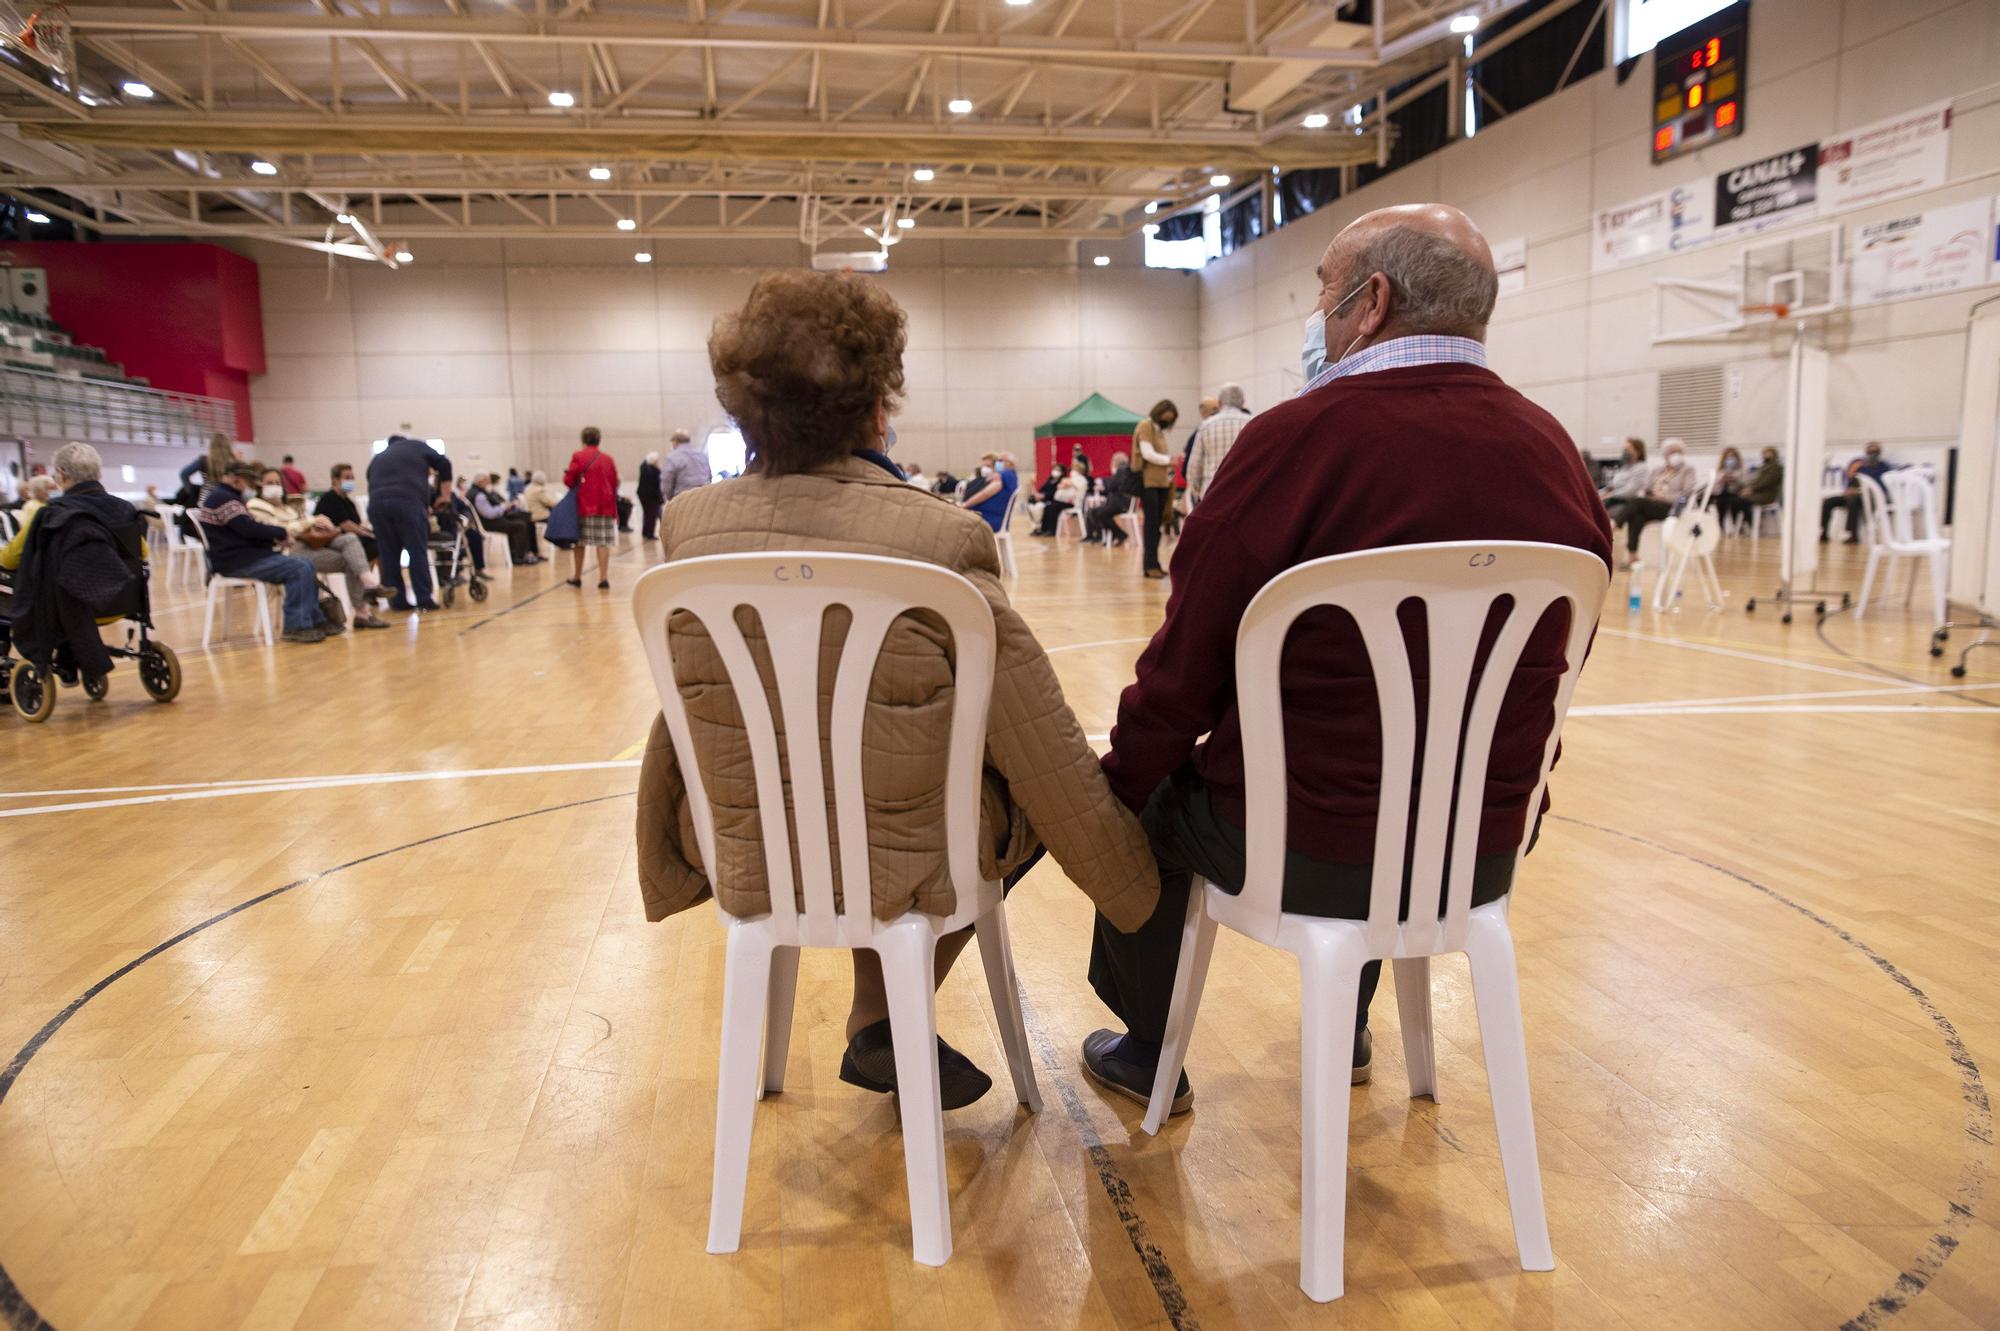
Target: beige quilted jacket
pixel 1043 783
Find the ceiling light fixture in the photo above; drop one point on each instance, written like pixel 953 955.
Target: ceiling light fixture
pixel 264 168
pixel 906 224
pixel 1219 181
pixel 600 173
pixel 1465 23
pixel 345 219
pixel 562 99
pixel 1102 261
pixel 1152 206
pixel 404 256
pixel 37 218
pixel 643 256
pixel 134 88
pixel 923 173
pixel 1020 4
pixel 1317 120
pixel 627 224
pixel 1151 228
pixel 959 106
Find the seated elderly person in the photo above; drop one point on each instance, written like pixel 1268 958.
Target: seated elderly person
pixel 317 541
pixel 39 490
pixel 540 497
pixel 240 546
pixel 54 618
pixel 497 513
pixel 811 368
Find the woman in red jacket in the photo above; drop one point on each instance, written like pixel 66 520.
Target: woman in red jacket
pixel 594 477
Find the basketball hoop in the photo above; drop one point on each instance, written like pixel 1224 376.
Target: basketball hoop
pixel 41 32
pixel 1777 310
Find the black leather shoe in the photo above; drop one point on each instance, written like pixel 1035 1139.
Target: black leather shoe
pixel 1364 1058
pixel 1103 1066
pixel 870 1063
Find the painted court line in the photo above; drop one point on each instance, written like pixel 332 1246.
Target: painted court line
pixel 1742 655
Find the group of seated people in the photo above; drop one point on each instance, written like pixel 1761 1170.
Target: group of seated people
pixel 1405 295
pixel 1637 494
pixel 1102 499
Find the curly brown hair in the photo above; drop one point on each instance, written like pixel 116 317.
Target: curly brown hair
pixel 802 367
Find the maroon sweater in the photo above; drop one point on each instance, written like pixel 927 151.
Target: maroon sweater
pixel 1429 453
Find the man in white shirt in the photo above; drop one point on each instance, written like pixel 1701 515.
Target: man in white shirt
pixel 1214 439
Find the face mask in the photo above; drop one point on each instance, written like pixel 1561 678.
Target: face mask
pixel 347 486
pixel 1674 459
pixel 55 494
pixel 1312 356
pixel 889 441
pixel 273 492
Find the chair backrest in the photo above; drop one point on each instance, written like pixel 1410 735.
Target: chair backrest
pixel 1458 583
pixel 1013 502
pixel 1697 501
pixel 1877 512
pixel 792 592
pixel 1914 507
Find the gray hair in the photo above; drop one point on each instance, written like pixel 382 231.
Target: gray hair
pixel 77 462
pixel 39 487
pixel 1231 395
pixel 681 437
pixel 541 478
pixel 1438 287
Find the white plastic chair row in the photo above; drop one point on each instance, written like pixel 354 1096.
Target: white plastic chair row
pixel 184 555
pixel 792 593
pixel 219 588
pixel 1902 521
pixel 497 548
pixel 1459 584
pixel 1004 538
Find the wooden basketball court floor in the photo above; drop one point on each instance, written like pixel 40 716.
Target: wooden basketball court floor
pixel 334 1006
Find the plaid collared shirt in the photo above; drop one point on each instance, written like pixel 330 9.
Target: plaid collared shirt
pixel 1401 353
pixel 1212 442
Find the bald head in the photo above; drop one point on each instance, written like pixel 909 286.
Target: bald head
pixel 1427 269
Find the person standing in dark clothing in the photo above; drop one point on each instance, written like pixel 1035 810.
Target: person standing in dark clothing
pixel 1156 460
pixel 402 479
pixel 650 499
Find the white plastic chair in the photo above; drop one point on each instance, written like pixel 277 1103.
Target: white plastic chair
pixel 1067 516
pixel 1004 538
pixel 184 556
pixel 1902 522
pixel 792 593
pixel 1690 536
pixel 494 541
pixel 1128 522
pixel 219 588
pixel 1458 583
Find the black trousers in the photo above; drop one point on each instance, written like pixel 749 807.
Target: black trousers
pixel 401 529
pixel 1052 514
pixel 1856 514
pixel 1154 499
pixel 519 529
pixel 1134 973
pixel 1635 514
pixel 649 518
pixel 1097 521
pixel 624 513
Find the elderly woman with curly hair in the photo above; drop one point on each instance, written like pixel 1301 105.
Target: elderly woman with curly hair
pixel 811 370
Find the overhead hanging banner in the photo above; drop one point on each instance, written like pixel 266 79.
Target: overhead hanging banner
pixel 1781 188
pixel 1902 155
pixel 1895 157
pixel 1922 254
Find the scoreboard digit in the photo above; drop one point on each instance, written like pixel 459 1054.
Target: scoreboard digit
pixel 1699 77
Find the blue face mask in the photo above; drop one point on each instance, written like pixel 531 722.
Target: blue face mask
pixel 1312 356
pixel 889 442
pixel 347 486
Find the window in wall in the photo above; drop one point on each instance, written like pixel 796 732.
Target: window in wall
pixel 381 444
pixel 1187 241
pixel 727 453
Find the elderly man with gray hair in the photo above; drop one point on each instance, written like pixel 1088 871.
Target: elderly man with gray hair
pixel 1214 439
pixel 77 532
pixel 686 468
pixel 1402 438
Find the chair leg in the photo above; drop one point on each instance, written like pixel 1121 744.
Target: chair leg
pixel 1413 1005
pixel 909 968
pixel 1940 599
pixel 996 954
pixel 1867 582
pixel 746 981
pixel 208 618
pixel 784 988
pixel 1329 981
pixel 1496 989
pixel 1190 975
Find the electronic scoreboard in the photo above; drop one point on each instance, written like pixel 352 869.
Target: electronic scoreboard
pixel 1699 83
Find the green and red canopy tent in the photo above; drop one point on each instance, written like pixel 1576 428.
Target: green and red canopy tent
pixel 1097 425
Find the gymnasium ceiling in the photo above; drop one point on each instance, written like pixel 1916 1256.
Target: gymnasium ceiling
pixel 809 119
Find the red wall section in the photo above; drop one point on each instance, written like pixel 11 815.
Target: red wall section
pixel 185 316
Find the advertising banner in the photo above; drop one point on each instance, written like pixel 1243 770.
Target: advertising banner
pixel 1885 160
pixel 1781 188
pixel 1664 223
pixel 1922 254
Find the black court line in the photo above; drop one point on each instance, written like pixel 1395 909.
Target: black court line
pixel 1159 1271
pixel 20 1314
pixel 502 614
pixel 1921 1270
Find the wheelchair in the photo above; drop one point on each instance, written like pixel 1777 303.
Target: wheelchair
pixel 33 690
pixel 451 554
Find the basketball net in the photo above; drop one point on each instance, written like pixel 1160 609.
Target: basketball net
pixel 41 31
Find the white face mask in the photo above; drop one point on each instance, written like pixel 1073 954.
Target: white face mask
pixel 1312 355
pixel 273 492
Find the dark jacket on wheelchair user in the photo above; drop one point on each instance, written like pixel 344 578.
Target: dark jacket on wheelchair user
pixel 82 564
